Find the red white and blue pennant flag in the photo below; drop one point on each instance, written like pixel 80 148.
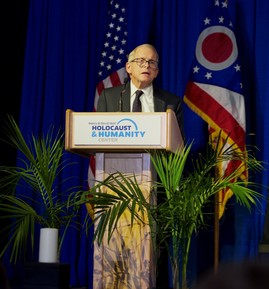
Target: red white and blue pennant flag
pixel 111 70
pixel 214 89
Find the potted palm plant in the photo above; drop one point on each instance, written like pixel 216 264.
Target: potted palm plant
pixel 29 194
pixel 188 194
pixel 184 194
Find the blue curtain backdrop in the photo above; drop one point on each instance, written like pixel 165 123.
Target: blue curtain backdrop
pixel 63 41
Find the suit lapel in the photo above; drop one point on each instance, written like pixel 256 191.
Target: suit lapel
pixel 159 103
pixel 126 98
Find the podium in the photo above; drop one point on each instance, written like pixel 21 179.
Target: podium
pixel 124 142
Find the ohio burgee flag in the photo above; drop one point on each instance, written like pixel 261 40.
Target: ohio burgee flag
pixel 214 89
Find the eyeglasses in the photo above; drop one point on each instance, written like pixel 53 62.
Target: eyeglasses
pixel 142 62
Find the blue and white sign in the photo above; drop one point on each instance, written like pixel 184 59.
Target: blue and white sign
pixel 124 129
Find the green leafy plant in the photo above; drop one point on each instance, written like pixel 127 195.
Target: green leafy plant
pixel 37 201
pixel 185 195
pixel 188 194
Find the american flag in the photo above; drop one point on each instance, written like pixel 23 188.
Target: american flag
pixel 111 70
pixel 214 89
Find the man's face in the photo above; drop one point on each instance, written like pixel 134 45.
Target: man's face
pixel 141 72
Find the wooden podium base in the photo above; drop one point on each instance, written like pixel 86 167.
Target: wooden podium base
pixel 128 260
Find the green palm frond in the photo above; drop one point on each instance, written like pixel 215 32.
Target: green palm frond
pixel 23 226
pixel 170 167
pixel 111 198
pixel 40 163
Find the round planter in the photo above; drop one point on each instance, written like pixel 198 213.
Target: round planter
pixel 48 245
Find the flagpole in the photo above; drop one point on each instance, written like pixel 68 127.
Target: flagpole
pixel 216 234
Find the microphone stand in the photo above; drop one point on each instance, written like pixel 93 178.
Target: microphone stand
pixel 122 92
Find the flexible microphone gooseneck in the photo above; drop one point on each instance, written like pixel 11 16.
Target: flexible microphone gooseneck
pixel 122 92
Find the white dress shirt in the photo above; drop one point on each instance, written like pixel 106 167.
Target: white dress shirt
pixel 146 98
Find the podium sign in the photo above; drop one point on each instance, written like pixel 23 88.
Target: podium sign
pixel 118 130
pixel 88 133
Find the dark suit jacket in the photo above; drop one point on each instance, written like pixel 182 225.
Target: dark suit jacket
pixel 109 101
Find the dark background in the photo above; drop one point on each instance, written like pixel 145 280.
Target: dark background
pixel 13 34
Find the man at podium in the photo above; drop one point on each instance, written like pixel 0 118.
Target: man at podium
pixel 140 94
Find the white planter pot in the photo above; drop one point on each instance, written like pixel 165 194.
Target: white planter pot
pixel 48 245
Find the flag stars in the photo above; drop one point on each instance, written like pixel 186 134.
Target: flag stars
pixel 217 3
pixel 225 4
pixel 237 67
pixel 230 24
pixel 196 69
pixel 221 19
pixel 116 35
pixel 207 21
pixel 208 75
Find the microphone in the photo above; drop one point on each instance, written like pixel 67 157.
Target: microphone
pixel 122 92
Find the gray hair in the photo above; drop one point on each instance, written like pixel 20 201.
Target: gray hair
pixel 132 53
